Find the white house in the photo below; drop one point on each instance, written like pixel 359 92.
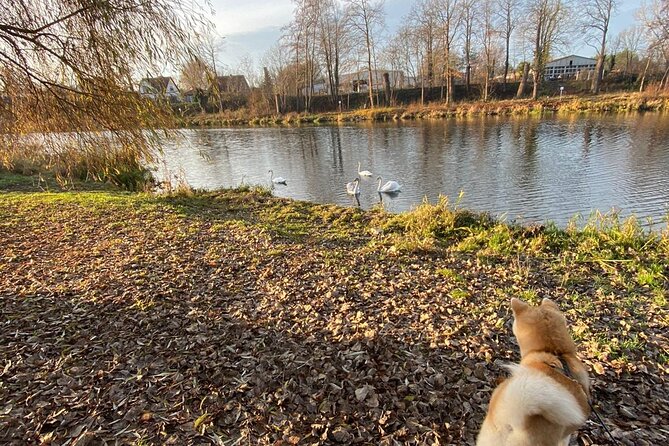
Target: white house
pixel 569 67
pixel 159 87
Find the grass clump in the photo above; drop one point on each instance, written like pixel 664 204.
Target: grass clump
pixel 432 225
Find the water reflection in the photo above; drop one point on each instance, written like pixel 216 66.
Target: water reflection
pixel 527 168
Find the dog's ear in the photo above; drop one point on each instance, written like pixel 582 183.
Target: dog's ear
pixel 518 306
pixel 549 303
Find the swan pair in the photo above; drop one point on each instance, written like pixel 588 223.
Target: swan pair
pixel 353 188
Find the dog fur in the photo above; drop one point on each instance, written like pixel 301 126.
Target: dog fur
pixel 544 401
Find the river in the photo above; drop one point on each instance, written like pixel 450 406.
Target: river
pixel 529 169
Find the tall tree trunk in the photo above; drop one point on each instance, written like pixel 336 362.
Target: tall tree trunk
pixel 507 44
pixel 449 78
pixel 643 76
pixel 599 73
pixel 430 65
pixel 536 67
pixel 369 70
pixel 486 86
pixel 664 83
pixel 386 88
pixel 599 68
pixel 506 59
pixel 523 80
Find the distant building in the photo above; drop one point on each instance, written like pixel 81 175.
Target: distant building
pixel 356 82
pixel 569 67
pixel 319 87
pixel 159 87
pixel 235 83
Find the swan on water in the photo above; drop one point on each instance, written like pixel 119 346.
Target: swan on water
pixel 353 188
pixel 364 173
pixel 277 180
pixel 390 186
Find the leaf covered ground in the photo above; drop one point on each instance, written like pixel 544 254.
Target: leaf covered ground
pixel 238 318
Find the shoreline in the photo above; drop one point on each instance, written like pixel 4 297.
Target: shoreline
pixel 605 103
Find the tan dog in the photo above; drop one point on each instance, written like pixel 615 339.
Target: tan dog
pixel 546 398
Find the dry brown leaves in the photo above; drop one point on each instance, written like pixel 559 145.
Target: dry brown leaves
pixel 144 326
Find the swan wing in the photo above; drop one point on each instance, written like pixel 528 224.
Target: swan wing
pixel 391 186
pixel 366 173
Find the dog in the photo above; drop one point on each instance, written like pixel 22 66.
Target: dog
pixel 546 398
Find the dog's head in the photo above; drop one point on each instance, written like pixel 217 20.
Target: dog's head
pixel 542 328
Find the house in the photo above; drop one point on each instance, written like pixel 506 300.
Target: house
pixel 320 87
pixel 356 82
pixel 159 87
pixel 234 83
pixel 569 67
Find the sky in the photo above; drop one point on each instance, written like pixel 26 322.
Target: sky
pixel 251 27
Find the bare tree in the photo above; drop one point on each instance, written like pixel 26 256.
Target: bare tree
pixel 333 43
pixel 277 61
pixel 545 20
pixel 469 15
pixel 195 74
pixel 365 18
pixel 597 19
pixel 424 20
pixel 399 52
pixel 489 38
pixel 450 19
pixel 209 47
pixel 655 20
pixel 71 66
pixel 507 12
pixel 306 24
pixel 247 67
pixel 629 43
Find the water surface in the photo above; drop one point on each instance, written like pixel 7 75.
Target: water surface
pixel 529 169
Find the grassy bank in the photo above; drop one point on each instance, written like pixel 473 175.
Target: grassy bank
pixel 608 103
pixel 237 317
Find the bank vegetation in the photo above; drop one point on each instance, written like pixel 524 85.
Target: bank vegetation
pixel 580 104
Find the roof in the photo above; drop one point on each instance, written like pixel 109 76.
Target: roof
pixel 570 56
pixel 159 83
pixel 232 83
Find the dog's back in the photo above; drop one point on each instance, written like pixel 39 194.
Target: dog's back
pixel 530 409
pixel 546 397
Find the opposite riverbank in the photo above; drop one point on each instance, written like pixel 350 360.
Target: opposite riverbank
pixel 235 316
pixel 605 103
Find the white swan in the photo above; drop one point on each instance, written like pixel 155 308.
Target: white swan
pixel 364 173
pixel 390 186
pixel 277 180
pixel 353 188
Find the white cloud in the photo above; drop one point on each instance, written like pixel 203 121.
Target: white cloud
pixel 246 16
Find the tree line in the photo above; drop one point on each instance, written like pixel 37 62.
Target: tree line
pixel 441 42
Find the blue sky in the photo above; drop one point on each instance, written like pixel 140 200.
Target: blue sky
pixel 250 27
